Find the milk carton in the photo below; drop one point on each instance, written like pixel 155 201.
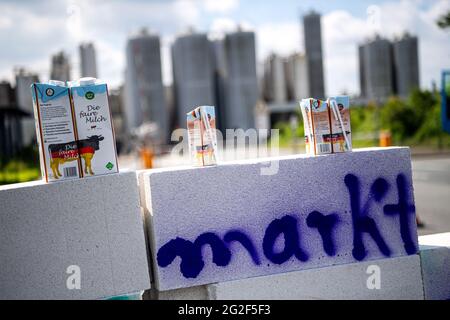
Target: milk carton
pixel 93 123
pixel 55 131
pixel 320 125
pixel 201 124
pixel 341 133
pixel 306 115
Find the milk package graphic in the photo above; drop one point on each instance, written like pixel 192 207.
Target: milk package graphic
pixel 55 131
pixel 201 124
pixel 309 137
pixel 327 125
pixel 94 128
pixel 341 133
pixel 318 122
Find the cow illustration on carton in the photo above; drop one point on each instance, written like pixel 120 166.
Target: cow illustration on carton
pixel 86 149
pixel 93 123
pixel 55 131
pixel 61 153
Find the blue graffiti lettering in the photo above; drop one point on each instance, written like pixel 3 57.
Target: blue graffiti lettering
pixel 287 225
pixel 244 240
pixel 361 222
pixel 403 208
pixel 192 262
pixel 325 224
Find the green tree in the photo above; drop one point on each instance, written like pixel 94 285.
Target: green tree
pixel 400 118
pixel 444 21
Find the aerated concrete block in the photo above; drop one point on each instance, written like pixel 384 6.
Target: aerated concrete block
pixel 435 257
pixel 399 278
pixel 94 224
pixel 228 222
pixel 191 293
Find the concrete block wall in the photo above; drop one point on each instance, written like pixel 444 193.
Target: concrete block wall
pixel 96 224
pixel 435 257
pixel 215 224
pixel 399 279
pixel 93 223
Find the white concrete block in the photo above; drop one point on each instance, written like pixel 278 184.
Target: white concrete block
pixel 94 223
pixel 228 222
pixel 400 278
pixel 191 293
pixel 435 257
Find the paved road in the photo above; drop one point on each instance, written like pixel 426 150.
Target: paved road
pixel 431 178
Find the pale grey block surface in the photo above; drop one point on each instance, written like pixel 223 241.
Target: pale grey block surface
pixel 435 258
pixel 185 202
pixel 400 279
pixel 94 223
pixel 191 293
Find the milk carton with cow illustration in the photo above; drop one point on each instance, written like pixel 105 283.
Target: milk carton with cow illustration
pixel 318 119
pixel 55 131
pixel 94 127
pixel 341 133
pixel 201 124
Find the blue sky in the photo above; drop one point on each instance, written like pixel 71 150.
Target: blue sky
pixel 30 31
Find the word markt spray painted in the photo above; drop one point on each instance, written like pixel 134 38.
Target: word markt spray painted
pixel 93 123
pixel 55 131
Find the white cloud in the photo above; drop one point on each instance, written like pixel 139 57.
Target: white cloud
pixel 222 25
pixel 282 38
pixel 5 22
pixel 42 28
pixel 220 6
pixel 342 32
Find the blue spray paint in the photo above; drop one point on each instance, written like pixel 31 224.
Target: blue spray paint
pixel 191 258
pixel 287 225
pixel 325 224
pixel 361 222
pixel 403 208
pixel 244 240
pixel 192 262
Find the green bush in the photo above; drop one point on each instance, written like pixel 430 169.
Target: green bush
pixel 23 167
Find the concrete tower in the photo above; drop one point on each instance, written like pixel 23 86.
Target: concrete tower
pixel 313 48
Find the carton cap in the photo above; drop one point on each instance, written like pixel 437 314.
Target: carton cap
pixel 87 81
pixel 57 83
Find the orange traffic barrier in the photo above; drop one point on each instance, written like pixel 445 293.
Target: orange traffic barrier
pixel 147 158
pixel 385 139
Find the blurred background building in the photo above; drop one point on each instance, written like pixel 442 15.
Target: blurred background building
pixel 144 91
pixel 193 74
pixel 313 48
pixel 378 68
pixel 60 67
pixel 220 71
pixel 10 121
pixel 116 106
pixel 241 84
pixel 88 62
pixel 275 79
pixel 219 79
pixel 296 71
pixel 24 80
pixel 387 68
pixel 406 64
